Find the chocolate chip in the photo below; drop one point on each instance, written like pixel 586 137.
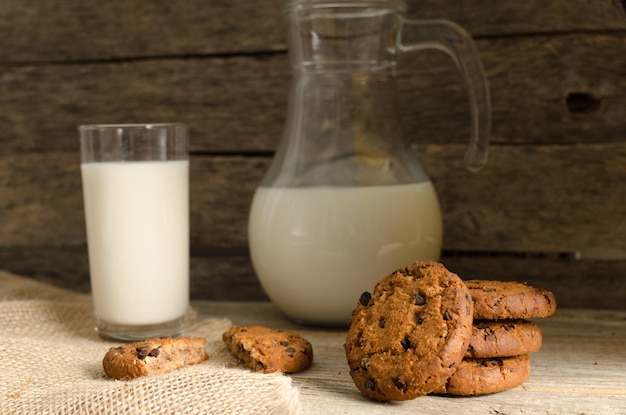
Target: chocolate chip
pixel 468 310
pixel 290 351
pixel 508 327
pixel 419 299
pixel 406 343
pixel 419 317
pixel 142 352
pixel 447 316
pixel 284 343
pixel 492 362
pixel 365 298
pixel 489 335
pixel 381 323
pixel 399 384
pixel 154 352
pixel 369 384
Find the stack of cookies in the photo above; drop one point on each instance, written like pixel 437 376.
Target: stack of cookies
pixel 424 331
pixel 497 357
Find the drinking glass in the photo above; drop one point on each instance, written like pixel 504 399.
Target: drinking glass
pixel 135 181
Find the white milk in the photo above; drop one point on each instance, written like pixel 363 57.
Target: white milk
pixel 315 250
pixel 137 216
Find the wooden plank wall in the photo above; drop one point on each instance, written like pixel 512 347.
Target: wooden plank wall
pixel 549 208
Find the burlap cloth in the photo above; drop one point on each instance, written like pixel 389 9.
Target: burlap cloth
pixel 51 363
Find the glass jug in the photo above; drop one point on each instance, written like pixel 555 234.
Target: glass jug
pixel 345 201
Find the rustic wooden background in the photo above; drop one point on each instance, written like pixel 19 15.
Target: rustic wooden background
pixel 549 208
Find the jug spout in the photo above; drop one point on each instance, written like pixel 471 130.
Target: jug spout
pixel 319 34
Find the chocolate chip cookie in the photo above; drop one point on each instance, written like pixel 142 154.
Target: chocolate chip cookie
pixel 268 350
pixel 484 376
pixel 406 338
pixel 153 356
pixel 503 338
pixel 494 300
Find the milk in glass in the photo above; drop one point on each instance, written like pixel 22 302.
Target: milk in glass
pixel 137 216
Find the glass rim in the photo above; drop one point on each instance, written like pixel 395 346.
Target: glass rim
pixel 399 5
pixel 128 126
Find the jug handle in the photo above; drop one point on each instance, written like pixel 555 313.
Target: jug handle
pixel 458 44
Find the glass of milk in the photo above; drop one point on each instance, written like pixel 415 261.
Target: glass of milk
pixel 136 195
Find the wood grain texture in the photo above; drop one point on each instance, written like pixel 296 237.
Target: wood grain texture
pixel 487 18
pixel 77 30
pixel 80 30
pixel 564 89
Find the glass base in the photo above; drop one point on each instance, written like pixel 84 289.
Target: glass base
pixel 128 332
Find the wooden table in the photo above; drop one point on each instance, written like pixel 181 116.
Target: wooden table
pixel 581 368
